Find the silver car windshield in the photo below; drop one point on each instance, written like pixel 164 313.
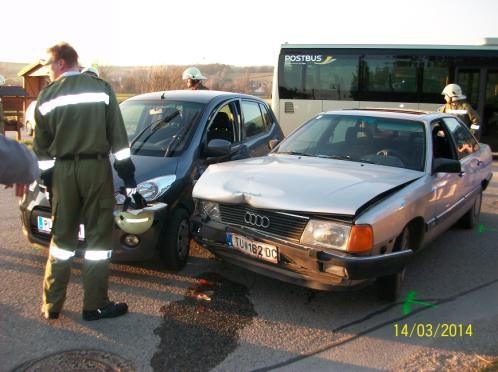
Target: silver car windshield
pixel 159 128
pixel 384 141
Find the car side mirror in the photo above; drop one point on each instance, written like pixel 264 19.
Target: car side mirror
pixel 444 165
pixel 273 143
pixel 217 148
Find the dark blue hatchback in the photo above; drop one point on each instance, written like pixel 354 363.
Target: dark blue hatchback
pixel 174 137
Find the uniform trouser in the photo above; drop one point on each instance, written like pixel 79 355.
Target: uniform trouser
pixel 83 193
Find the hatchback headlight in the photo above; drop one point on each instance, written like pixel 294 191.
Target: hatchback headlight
pixel 326 234
pixel 156 187
pixel 209 209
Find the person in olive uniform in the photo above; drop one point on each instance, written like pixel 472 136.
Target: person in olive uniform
pixel 78 122
pixel 457 105
pixel 194 79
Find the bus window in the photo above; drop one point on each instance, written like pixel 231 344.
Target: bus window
pixel 435 77
pixel 385 75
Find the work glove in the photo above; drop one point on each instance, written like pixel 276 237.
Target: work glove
pixel 134 199
pixel 126 171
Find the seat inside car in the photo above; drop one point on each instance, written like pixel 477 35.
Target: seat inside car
pixel 221 128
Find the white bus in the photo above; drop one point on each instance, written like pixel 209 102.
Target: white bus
pixel 309 79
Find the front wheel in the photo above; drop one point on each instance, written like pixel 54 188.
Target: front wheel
pixel 389 287
pixel 175 241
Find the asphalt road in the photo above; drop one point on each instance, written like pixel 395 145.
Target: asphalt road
pixel 212 316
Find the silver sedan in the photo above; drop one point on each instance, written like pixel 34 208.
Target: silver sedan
pixel 345 199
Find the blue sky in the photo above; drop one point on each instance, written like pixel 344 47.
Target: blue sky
pixel 150 32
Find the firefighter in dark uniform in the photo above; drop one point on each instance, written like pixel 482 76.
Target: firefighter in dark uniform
pixel 194 79
pixel 78 122
pixel 457 105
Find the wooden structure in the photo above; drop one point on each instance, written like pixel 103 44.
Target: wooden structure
pixel 35 78
pixel 13 107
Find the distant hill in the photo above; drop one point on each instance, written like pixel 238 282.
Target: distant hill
pixel 255 80
pixel 9 71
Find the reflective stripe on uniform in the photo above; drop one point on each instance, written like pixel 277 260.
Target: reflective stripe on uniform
pixel 60 254
pixel 97 255
pixel 475 127
pixel 137 220
pixel 123 154
pixel 45 164
pixel 72 99
pixel 456 112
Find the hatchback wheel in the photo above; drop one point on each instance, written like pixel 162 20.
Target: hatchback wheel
pixel 389 287
pixel 175 242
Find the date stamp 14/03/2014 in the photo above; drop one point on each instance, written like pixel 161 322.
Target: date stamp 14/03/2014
pixel 433 330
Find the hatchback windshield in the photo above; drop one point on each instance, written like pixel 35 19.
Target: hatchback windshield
pixel 377 140
pixel 159 128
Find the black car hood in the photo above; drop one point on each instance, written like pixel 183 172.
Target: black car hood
pixel 148 167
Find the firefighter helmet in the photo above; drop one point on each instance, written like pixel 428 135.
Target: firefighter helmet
pixel 91 71
pixel 453 91
pixel 193 73
pixel 134 223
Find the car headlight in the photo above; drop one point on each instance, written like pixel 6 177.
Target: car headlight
pixel 335 235
pixel 326 234
pixel 209 209
pixel 156 187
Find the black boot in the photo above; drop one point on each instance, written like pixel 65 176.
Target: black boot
pixel 50 315
pixel 112 310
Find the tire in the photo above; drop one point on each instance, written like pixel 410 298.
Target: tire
pixel 175 241
pixel 389 287
pixel 470 219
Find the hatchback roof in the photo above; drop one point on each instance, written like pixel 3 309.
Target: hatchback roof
pixel 200 96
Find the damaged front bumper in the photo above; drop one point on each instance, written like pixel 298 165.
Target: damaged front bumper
pixel 297 264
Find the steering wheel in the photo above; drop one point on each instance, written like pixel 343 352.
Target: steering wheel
pixel 390 152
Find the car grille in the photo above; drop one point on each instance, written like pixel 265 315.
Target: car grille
pixel 281 224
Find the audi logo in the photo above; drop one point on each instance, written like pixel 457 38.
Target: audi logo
pixel 256 220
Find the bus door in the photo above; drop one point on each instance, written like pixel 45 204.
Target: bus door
pixel 490 116
pixel 480 85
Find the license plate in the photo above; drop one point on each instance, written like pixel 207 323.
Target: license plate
pixel 45 226
pixel 253 248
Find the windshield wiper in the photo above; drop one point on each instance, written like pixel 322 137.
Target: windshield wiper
pixel 180 135
pixel 153 127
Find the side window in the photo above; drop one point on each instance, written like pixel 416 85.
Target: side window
pixel 222 126
pixel 266 116
pixel 465 143
pixel 441 143
pixel 253 122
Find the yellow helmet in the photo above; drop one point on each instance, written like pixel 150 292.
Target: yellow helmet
pixel 138 220
pixel 193 73
pixel 453 91
pixel 134 223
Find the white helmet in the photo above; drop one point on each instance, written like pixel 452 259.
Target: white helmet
pixel 453 91
pixel 91 71
pixel 193 73
pixel 2 80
